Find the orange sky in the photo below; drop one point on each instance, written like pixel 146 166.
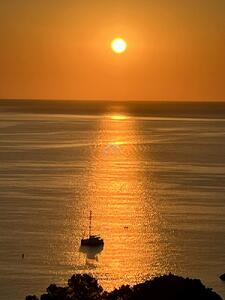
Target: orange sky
pixel 60 49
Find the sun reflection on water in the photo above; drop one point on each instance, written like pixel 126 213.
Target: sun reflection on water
pixel 115 193
pixel 118 117
pixel 124 213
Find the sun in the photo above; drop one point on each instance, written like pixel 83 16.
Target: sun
pixel 119 45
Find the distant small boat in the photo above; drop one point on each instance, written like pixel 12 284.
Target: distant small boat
pixel 92 240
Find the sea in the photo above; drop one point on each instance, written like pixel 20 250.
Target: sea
pixel 151 173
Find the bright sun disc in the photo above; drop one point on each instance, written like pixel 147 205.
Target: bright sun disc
pixel 118 45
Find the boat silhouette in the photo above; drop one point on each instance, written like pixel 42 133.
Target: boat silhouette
pixel 94 241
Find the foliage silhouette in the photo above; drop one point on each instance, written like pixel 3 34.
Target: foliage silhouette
pixel 222 277
pixel 166 287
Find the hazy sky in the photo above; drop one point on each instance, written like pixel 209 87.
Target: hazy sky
pixel 60 49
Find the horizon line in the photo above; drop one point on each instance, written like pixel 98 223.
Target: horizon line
pixel 113 100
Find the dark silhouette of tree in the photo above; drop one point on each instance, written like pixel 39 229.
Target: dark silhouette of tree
pixel 171 287
pixel 124 292
pixel 85 287
pixel 222 277
pixel 167 287
pixel 32 298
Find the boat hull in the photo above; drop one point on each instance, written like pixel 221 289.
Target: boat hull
pixel 92 243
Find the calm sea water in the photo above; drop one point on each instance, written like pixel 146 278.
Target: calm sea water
pixel 155 184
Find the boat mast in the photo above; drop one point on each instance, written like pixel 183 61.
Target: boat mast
pixel 90 223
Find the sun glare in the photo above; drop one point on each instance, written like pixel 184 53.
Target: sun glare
pixel 118 117
pixel 119 45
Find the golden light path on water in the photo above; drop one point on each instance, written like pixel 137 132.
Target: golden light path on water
pixel 156 195
pixel 116 190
